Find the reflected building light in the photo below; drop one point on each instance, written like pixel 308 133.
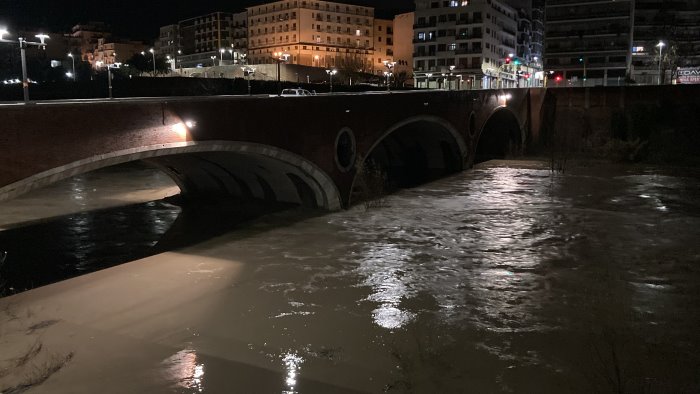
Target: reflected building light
pixel 384 267
pixel 183 370
pixel 292 363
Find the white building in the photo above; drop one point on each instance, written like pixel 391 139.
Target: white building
pixel 464 44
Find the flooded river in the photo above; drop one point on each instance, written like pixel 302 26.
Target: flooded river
pixel 505 278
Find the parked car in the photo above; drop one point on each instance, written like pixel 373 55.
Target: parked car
pixel 298 92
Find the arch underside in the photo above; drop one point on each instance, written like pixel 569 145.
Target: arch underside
pixel 236 169
pixel 500 138
pixel 415 152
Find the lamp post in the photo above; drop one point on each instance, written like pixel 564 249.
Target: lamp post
pixel 452 68
pixel 221 56
pixel 70 55
pixel 389 66
pixel 427 80
pixel 23 46
pixel 661 49
pixel 247 72
pixel 280 57
pixel 331 73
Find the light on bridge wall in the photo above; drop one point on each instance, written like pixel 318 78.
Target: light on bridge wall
pixel 181 128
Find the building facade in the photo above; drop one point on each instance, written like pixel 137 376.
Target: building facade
pixel 674 23
pixel 312 33
pixel 403 45
pixel 168 42
pixel 383 45
pixel 109 52
pixel 464 44
pixel 85 36
pixel 588 43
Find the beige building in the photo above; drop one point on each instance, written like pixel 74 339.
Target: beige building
pixel 403 44
pixel 383 45
pixel 312 33
pixel 114 52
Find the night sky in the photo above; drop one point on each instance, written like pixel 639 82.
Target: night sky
pixel 138 19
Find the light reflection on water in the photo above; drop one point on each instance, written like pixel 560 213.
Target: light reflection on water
pixel 184 370
pixel 292 364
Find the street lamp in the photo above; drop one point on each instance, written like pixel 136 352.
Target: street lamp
pixel 279 57
pixel 389 66
pixel 23 46
pixel 661 48
pixel 221 60
pixel 70 55
pixel 331 73
pixel 247 72
pixel 427 81
pixel 452 68
pixel 153 54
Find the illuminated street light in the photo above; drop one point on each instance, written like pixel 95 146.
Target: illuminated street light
pixel 70 55
pixel 23 46
pixel 427 83
pixel 221 51
pixel 247 72
pixel 153 53
pixel 389 66
pixel 331 73
pixel 452 68
pixel 661 49
pixel 279 57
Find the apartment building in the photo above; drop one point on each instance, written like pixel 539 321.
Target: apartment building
pixel 85 36
pixel 403 44
pixel 463 44
pixel 588 43
pixel 383 45
pixel 239 33
pixel 109 52
pixel 676 24
pixel 168 42
pixel 312 33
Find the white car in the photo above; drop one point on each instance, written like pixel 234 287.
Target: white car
pixel 296 92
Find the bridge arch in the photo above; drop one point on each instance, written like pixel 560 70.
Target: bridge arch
pixel 241 169
pixel 414 151
pixel 500 137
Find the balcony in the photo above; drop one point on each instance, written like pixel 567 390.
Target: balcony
pixel 465 51
pixel 424 25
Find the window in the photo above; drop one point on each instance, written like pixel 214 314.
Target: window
pixel 358 32
pixel 452 47
pixel 454 3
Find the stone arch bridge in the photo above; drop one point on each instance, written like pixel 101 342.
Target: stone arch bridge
pixel 301 150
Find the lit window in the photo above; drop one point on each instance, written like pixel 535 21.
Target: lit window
pixel 454 3
pixel 358 32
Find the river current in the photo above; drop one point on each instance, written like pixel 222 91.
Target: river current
pixel 503 278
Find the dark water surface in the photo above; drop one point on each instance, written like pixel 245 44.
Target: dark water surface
pixel 505 278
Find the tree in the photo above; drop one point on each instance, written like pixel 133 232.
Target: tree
pixel 670 60
pixel 139 64
pixel 353 67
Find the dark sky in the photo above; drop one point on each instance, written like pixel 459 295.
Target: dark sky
pixel 138 19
